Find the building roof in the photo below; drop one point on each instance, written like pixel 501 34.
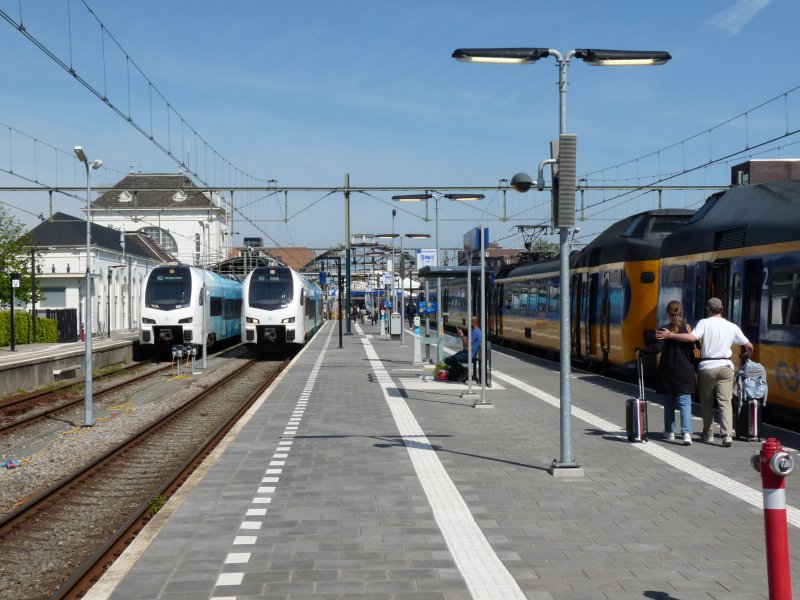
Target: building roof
pixel 295 257
pixel 153 190
pixel 66 231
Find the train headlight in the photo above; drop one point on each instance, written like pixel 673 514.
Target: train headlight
pixel 252 320
pixel 149 321
pixel 288 320
pixel 186 320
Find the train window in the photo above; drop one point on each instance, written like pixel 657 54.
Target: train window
pixel 542 299
pixel 168 288
pixel 552 305
pixel 216 306
pixel 508 298
pixel 233 309
pixel 636 228
pixel 515 301
pixel 615 277
pixel 676 274
pixel 271 291
pixel 668 223
pixel 712 200
pixel 302 297
pixel 523 299
pixel 736 304
pixel 785 298
pixel 752 294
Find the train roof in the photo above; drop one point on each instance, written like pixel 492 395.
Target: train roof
pixel 452 272
pixel 751 215
pixel 532 268
pixel 638 237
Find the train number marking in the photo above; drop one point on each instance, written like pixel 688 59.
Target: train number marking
pixel 786 378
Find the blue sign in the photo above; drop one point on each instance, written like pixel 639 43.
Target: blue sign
pixel 472 239
pixel 427 308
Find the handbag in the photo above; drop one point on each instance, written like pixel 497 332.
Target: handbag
pixel 696 351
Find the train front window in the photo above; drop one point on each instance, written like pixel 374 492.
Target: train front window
pixel 270 291
pixel 168 288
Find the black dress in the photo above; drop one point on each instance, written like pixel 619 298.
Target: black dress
pixel 675 374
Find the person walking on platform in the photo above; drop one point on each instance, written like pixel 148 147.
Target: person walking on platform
pixel 675 374
pixel 715 371
pixel 411 310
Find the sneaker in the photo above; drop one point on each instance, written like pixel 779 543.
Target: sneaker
pixel 668 435
pixel 727 441
pixel 708 436
pixel 687 439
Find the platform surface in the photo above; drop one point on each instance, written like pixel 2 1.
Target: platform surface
pixel 355 477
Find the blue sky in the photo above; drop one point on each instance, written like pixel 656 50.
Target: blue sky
pixel 304 92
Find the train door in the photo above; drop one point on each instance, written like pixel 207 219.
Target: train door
pixel 224 329
pixel 735 290
pixel 579 298
pixel 697 300
pixel 718 282
pixel 590 343
pixel 754 280
pixel 605 318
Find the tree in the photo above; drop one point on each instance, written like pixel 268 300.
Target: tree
pixel 14 258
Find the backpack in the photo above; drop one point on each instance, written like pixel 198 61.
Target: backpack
pixel 751 382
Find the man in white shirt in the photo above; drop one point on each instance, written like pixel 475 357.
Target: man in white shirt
pixel 715 371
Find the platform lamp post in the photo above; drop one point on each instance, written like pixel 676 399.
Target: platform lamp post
pixel 436 196
pixel 88 419
pixel 564 208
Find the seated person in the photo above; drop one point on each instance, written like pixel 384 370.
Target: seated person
pixel 454 361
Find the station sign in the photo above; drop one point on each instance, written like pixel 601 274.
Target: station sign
pixel 472 239
pixel 426 257
pixel 427 308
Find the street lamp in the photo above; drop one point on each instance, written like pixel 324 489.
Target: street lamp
pixel 88 420
pixel 436 196
pixel 412 236
pixel 593 57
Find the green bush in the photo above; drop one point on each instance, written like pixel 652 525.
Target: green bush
pixel 46 329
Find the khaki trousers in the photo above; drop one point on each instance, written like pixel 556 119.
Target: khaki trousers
pixel 716 384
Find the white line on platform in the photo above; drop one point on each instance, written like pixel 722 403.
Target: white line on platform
pixel 695 469
pixel 485 574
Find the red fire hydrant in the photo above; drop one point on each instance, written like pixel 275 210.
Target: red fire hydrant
pixel 83 334
pixel 774 465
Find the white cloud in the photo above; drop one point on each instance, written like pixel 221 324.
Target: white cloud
pixel 733 19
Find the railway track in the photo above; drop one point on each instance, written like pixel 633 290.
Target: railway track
pixel 57 543
pixel 42 404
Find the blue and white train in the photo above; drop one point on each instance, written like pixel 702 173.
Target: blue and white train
pixel 281 309
pixel 172 311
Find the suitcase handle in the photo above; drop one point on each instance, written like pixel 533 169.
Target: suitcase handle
pixel 640 373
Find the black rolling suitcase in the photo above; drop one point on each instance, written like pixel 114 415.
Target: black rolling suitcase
pixel 636 411
pixel 747 416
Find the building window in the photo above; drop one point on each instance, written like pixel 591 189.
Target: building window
pixel 53 298
pixel 161 237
